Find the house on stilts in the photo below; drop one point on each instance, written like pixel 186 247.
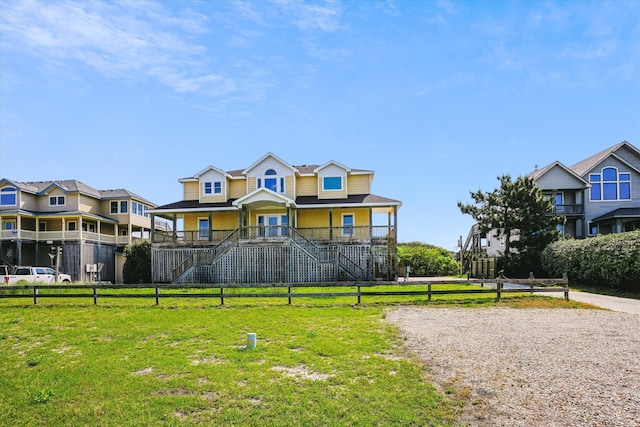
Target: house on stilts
pixel 273 222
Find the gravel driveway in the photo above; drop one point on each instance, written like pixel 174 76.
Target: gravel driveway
pixel 530 367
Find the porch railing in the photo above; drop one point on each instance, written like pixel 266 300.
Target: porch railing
pixel 269 232
pixel 57 236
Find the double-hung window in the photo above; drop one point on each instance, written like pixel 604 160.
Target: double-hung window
pixel 610 185
pixel 212 188
pixel 113 207
pixel 8 196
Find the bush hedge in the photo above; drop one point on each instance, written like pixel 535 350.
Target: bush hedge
pixel 611 261
pixel 137 267
pixel 427 260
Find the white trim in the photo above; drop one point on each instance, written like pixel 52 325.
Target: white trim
pixel 332 162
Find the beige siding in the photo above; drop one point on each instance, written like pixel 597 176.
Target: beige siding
pixel 251 184
pixel 358 184
pixel 290 187
pixel 90 205
pixel 237 188
pixel 191 191
pixel 307 186
pixel 361 216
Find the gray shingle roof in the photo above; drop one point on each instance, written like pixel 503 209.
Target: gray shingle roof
pixel 586 165
pixel 75 186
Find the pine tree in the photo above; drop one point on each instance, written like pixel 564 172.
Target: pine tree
pixel 517 208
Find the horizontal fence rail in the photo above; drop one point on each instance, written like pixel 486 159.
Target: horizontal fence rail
pixel 363 289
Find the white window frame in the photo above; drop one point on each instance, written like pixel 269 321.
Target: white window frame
pixel 207 188
pixel 57 200
pixel 75 226
pixel 333 177
pixel 10 191
pixel 9 224
pixel 601 183
pixel 348 230
pixel 203 233
pixel 114 203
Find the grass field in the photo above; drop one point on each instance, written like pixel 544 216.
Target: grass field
pixel 185 362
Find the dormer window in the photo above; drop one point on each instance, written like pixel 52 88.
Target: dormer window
pixel 272 181
pixel 213 188
pixel 57 201
pixel 8 196
pixel 332 183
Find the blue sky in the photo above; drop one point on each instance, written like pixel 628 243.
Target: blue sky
pixel 438 97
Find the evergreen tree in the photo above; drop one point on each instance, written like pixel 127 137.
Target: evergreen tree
pixel 517 208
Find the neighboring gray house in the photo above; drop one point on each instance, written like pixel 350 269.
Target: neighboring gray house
pixel 599 195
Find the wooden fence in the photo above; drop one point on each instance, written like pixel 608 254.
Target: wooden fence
pixel 293 290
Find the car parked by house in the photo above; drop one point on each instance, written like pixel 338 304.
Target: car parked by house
pixel 35 275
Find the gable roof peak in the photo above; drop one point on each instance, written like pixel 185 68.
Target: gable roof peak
pixel 266 156
pixel 586 165
pixel 332 162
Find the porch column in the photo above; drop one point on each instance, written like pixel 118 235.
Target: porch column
pixel 370 224
pixel 210 226
pixel 19 250
pixel 330 224
pixel 64 228
pixel 395 223
pixel 175 224
pixel 153 228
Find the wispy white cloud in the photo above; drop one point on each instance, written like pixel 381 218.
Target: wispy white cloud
pixel 116 39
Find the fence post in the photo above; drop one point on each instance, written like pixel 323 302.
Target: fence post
pixel 289 295
pixel 429 292
pixel 35 295
pixel 221 295
pixel 565 280
pixel 95 296
pixel 157 296
pixel 498 289
pixel 358 294
pixel 531 279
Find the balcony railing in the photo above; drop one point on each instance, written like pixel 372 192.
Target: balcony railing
pixel 58 236
pixel 568 210
pixel 273 232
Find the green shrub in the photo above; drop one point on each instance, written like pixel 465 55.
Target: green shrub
pixel 427 260
pixel 137 267
pixel 607 261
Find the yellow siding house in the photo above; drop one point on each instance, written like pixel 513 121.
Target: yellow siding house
pixel 276 222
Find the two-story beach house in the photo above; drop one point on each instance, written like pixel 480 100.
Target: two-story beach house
pixel 276 222
pixel 598 195
pixel 91 226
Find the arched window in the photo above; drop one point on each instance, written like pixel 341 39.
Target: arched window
pixel 610 185
pixel 8 196
pixel 272 181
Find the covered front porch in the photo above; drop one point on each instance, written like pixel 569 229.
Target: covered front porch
pixel 265 215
